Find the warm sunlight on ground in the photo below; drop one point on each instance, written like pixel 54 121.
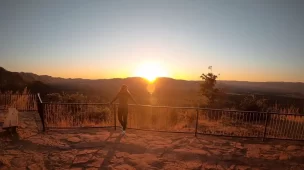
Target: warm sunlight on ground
pixel 150 71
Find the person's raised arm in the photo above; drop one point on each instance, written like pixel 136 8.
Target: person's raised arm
pixel 115 98
pixel 130 95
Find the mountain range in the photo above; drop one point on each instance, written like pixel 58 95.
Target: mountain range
pixel 163 86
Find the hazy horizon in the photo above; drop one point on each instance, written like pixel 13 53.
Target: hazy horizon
pixel 243 40
pixel 157 77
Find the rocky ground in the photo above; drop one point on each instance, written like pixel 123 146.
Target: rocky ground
pixel 107 149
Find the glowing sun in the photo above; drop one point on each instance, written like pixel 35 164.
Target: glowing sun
pixel 150 71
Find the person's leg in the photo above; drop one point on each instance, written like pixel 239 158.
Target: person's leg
pixel 125 118
pixel 120 116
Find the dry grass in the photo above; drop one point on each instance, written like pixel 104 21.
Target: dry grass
pixel 23 101
pixel 290 109
pixel 58 115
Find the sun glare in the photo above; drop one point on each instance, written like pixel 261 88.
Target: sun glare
pixel 151 71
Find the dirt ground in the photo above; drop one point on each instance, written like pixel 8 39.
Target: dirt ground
pixel 108 149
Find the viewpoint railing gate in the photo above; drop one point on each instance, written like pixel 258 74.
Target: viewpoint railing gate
pixel 175 119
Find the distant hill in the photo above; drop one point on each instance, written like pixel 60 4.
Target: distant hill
pixel 271 88
pixel 163 86
pixel 11 80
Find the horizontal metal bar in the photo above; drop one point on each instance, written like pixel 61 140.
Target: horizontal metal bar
pixel 234 136
pixel 287 114
pixel 163 131
pixel 92 127
pixel 50 103
pixel 173 107
pixel 272 138
pixel 17 95
pixel 88 127
pixel 289 139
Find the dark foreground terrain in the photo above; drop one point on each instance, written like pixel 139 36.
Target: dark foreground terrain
pixel 107 149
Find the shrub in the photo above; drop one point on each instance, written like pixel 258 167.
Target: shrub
pixel 251 103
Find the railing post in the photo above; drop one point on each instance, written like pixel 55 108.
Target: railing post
pixel 196 122
pixel 266 124
pixel 114 108
pixel 40 111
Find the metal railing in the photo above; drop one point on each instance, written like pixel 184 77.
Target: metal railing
pixel 22 102
pixel 175 119
pixel 70 115
pixel 251 124
pixel 40 110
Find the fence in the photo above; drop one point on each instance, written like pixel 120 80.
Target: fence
pixel 66 115
pixel 175 119
pixel 22 102
pixel 251 124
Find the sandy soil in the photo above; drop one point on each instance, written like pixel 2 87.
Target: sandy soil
pixel 108 149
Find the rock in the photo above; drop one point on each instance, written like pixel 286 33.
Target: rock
pixel 4 161
pixel 36 167
pixel 263 147
pixel 86 151
pixel 82 159
pixel 190 164
pixel 73 139
pixel 91 168
pixel 19 162
pixel 13 152
pixel 278 146
pixel 215 152
pixel 211 166
pixel 119 154
pixel 227 157
pixel 110 167
pixel 64 147
pixel 253 153
pixel 124 167
pixel 37 158
pixel 293 148
pixel 242 167
pixel 62 157
pixel 232 167
pixel 238 145
pixel 283 156
pixel 97 163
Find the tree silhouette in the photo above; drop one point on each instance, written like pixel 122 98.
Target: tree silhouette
pixel 208 88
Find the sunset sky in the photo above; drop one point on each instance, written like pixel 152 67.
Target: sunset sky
pixel 241 39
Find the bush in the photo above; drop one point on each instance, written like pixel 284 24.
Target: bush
pixel 250 103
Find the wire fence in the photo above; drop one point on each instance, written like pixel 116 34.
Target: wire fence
pixel 22 102
pixel 177 119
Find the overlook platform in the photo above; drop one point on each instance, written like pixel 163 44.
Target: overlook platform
pixel 105 148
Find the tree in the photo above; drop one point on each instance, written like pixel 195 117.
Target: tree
pixel 208 88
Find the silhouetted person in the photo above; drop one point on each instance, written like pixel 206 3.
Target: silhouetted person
pixel 123 95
